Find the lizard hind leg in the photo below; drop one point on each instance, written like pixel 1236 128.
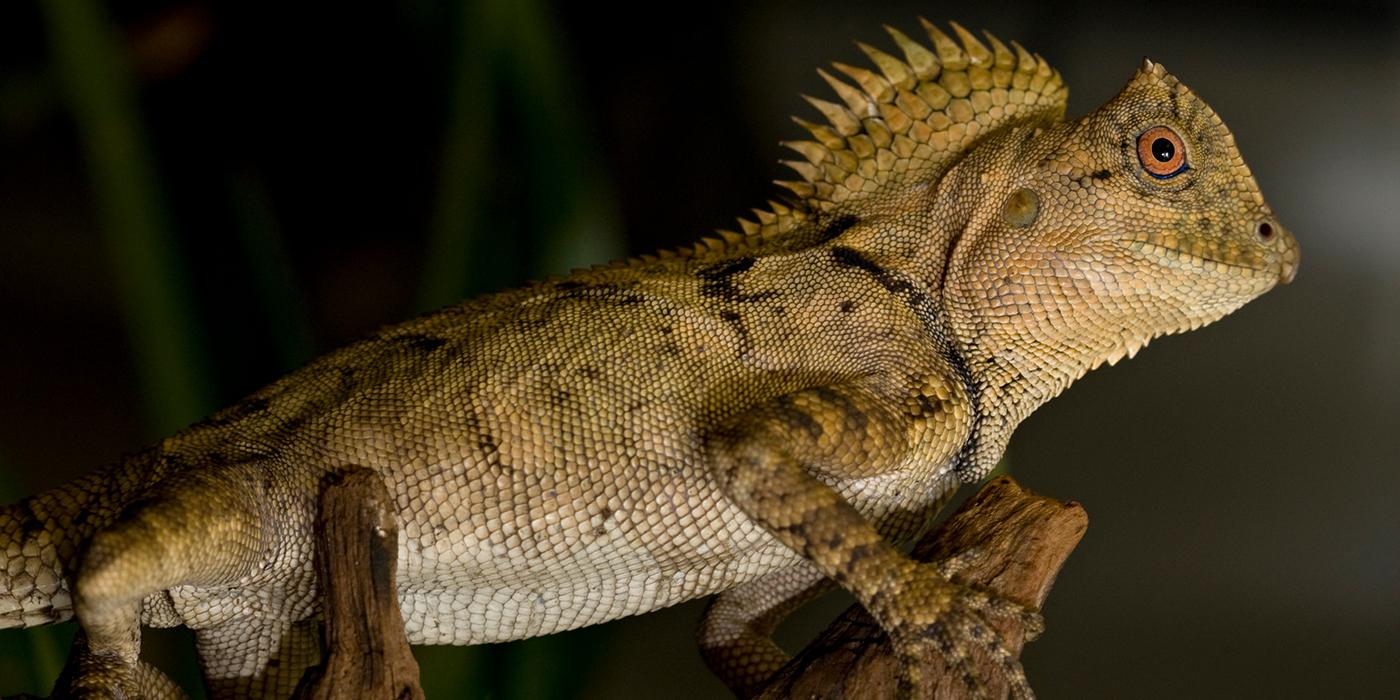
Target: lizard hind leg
pixel 90 675
pixel 200 529
pixel 735 633
pixel 258 658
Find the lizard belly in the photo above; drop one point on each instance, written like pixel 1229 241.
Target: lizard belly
pixel 558 555
pixel 475 584
pixel 495 611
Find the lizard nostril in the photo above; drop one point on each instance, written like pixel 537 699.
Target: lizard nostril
pixel 1265 230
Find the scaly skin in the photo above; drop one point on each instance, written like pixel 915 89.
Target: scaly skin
pixel 759 416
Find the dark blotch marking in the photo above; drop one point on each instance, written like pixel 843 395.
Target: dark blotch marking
pixel 573 289
pixel 490 449
pixel 861 552
pixel 719 281
pixel 603 516
pixel 848 306
pixel 590 372
pixel 29 524
pixel 836 542
pixel 1095 177
pixel 958 363
pixel 666 330
pixel 850 257
pixel 735 321
pixel 855 417
pixel 836 226
pixel 927 406
pixel 726 269
pixel 799 529
pixel 798 419
pixel 239 411
pixel 421 342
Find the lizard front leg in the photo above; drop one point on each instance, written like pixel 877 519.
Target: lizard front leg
pixel 775 463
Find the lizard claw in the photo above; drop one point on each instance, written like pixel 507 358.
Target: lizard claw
pixel 928 614
pixel 950 567
pixel 1031 621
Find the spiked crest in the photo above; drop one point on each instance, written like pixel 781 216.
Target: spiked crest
pixel 906 123
pixel 910 120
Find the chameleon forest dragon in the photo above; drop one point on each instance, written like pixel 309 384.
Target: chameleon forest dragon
pixel 760 416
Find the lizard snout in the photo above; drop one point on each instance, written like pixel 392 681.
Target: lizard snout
pixel 1270 233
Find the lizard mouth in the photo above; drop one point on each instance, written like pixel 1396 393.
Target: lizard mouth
pixel 1209 257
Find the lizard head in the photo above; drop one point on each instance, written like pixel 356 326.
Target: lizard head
pixel 1094 236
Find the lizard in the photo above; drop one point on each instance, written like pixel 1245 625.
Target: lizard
pixel 759 416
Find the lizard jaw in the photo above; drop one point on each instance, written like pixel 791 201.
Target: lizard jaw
pixel 1170 252
pixel 1274 253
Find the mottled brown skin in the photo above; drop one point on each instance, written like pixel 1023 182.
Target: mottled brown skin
pixel 760 416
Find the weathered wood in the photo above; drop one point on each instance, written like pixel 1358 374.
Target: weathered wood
pixel 1020 540
pixel 367 652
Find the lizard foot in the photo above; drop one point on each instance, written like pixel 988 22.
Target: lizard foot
pixel 950 567
pixel 90 675
pixel 925 614
pixel 1032 623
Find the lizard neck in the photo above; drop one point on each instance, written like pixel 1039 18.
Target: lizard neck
pixel 1021 345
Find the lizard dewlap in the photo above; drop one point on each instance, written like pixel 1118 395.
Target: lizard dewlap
pixel 759 416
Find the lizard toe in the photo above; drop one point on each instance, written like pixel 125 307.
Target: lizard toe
pixel 931 616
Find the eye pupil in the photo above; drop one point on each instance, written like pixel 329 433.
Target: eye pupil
pixel 1163 150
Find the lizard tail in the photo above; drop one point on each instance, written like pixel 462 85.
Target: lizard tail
pixel 33 588
pixel 40 539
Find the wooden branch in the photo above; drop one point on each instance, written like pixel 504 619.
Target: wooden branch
pixel 1021 541
pixel 356 554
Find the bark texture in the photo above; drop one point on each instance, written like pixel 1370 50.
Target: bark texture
pixel 367 651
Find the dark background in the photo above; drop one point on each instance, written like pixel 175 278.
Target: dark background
pixel 196 197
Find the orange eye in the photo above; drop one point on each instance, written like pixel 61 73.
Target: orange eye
pixel 1161 152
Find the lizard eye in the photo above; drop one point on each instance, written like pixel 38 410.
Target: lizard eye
pixel 1161 152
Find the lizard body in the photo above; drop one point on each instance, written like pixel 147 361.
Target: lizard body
pixel 758 416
